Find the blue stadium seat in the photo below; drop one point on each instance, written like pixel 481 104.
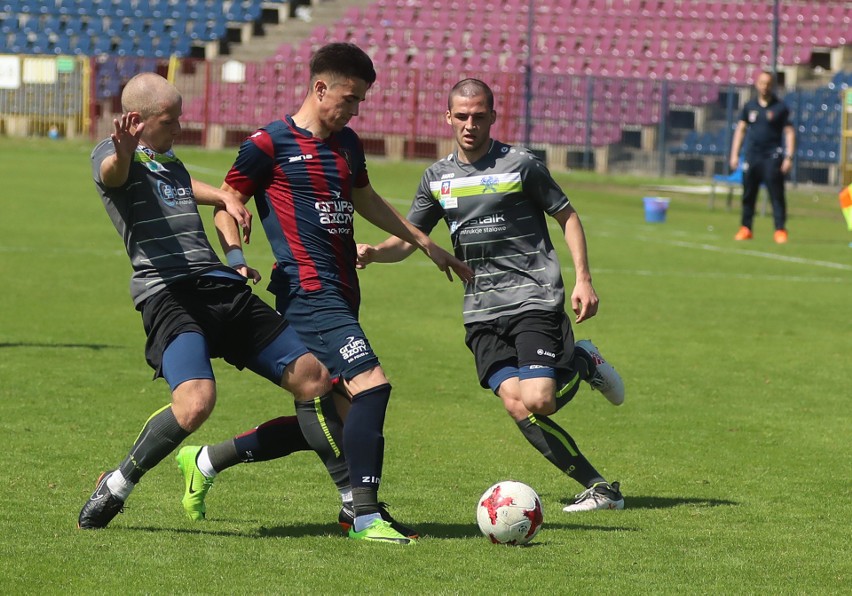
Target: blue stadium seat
pixel 10 6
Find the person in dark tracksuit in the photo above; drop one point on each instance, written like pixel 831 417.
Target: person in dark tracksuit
pixel 767 159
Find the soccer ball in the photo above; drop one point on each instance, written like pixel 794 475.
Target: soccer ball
pixel 509 513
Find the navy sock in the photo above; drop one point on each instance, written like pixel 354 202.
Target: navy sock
pixel 364 445
pixel 275 438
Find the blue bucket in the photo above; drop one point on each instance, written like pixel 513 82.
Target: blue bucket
pixel 655 209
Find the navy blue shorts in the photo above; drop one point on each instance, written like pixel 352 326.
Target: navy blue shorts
pixel 235 325
pixel 328 325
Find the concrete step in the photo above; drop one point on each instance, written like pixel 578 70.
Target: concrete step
pixel 265 39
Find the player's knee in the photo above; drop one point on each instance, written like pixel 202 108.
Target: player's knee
pixel 513 404
pixel 539 402
pixel 193 402
pixel 306 378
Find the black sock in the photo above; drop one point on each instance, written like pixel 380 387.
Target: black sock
pixel 558 448
pixel 159 437
pixel 364 444
pixel 323 431
pixel 272 439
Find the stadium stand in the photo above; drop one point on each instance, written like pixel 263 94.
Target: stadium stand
pixel 604 73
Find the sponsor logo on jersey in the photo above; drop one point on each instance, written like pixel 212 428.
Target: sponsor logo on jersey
pixel 336 212
pixel 752 116
pixel 542 352
pixel 487 220
pixel 355 348
pixel 450 175
pixel 174 195
pixel 296 158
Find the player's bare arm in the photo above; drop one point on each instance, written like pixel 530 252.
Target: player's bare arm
pixel 125 138
pixel 584 299
pixel 206 194
pixel 229 235
pixel 789 149
pixel 382 215
pixel 391 250
pixel 737 143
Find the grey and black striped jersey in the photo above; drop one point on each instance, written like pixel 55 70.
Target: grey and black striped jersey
pixel 496 212
pixel 156 215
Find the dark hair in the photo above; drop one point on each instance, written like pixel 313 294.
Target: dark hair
pixel 471 88
pixel 344 59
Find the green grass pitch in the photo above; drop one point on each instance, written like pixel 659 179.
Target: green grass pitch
pixel 733 446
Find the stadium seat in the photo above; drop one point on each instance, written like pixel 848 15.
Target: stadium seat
pixel 730 182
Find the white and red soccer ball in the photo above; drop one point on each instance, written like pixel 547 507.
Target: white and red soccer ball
pixel 509 513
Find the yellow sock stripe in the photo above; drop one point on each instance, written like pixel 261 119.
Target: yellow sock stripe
pixel 149 420
pixel 571 384
pixel 324 426
pixel 552 432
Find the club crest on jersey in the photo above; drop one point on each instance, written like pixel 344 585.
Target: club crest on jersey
pixel 344 153
pixel 489 184
pixel 154 166
pixel 446 188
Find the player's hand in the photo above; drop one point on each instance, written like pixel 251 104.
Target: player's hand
pixel 124 141
pixel 734 162
pixel 248 273
pixel 584 301
pixel 786 165
pixel 448 263
pixel 365 254
pixel 241 215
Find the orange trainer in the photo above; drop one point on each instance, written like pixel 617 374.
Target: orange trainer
pixel 781 236
pixel 744 234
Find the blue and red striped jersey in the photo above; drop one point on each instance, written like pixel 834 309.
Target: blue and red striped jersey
pixel 302 186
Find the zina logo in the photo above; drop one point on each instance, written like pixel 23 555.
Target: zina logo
pixel 300 158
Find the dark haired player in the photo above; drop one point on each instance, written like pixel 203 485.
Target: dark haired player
pixel 308 175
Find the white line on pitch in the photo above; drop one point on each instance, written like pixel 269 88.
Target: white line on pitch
pixel 751 253
pixel 717 275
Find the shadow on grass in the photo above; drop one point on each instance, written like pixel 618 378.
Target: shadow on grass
pixel 209 529
pixel 634 502
pixel 429 530
pixel 27 344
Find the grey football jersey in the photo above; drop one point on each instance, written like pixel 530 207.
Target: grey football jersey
pixel 156 215
pixel 495 210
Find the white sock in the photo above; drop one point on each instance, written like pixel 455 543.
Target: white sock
pixel 119 486
pixel 362 521
pixel 203 463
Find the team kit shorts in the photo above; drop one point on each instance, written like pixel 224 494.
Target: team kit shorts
pixel 328 325
pixel 193 320
pixel 508 346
